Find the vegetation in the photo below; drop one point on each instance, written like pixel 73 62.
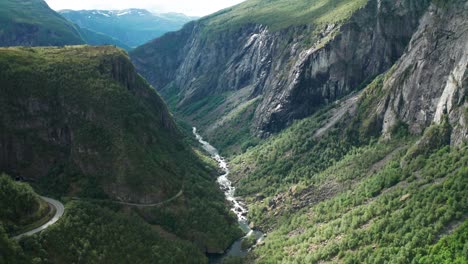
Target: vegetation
pixel 10 251
pixel 88 233
pixel 233 135
pixel 449 249
pixel 282 14
pixel 95 38
pixel 33 23
pixel 110 137
pixel 287 158
pixel 202 216
pixel 248 242
pixel 388 216
pixel 21 207
pixel 352 197
pixel 121 128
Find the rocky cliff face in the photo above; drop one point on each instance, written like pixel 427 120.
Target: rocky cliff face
pixel 430 80
pixel 293 71
pixel 82 120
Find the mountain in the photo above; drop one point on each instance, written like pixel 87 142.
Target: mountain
pixel 21 205
pixel 61 120
pixel 99 39
pixel 84 223
pixel 132 27
pixel 33 23
pixel 78 122
pixel 269 63
pixel 345 122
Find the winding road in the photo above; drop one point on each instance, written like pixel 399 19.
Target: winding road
pixel 59 210
pixel 152 204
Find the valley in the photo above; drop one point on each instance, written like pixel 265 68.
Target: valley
pixel 295 131
pixel 238 207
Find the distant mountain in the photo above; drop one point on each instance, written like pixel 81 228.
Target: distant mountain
pixel 98 39
pixel 132 27
pixel 33 23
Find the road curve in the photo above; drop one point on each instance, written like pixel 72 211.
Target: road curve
pixel 153 204
pixel 59 210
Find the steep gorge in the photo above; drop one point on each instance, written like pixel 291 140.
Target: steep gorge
pixel 380 146
pixel 292 70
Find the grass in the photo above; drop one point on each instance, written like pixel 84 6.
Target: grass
pixel 278 15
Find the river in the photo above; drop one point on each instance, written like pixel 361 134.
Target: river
pixel 238 207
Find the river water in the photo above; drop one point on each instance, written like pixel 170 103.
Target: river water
pixel 238 207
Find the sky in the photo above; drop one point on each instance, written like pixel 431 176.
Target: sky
pixel 188 7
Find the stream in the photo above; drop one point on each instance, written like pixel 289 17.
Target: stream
pixel 238 207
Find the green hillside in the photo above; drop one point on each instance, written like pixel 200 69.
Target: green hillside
pixel 351 196
pixel 89 112
pixel 277 14
pixel 88 232
pixel 33 23
pixel 79 122
pixel 97 39
pixel 96 234
pixel 22 209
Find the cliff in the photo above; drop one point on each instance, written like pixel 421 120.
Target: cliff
pixel 80 121
pixel 430 80
pixel 311 57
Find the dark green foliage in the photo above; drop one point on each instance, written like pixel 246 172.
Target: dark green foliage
pixel 19 204
pixel 10 251
pixel 95 38
pixel 204 219
pixel 450 249
pixel 33 23
pixel 233 260
pixel 121 129
pixel 89 233
pixel 16 199
pixel 248 242
pixel 110 136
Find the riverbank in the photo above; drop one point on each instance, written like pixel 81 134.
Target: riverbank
pixel 238 206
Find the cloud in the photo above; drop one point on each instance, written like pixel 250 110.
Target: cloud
pixel 189 7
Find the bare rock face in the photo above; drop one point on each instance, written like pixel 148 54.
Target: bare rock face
pixel 430 79
pixel 367 45
pixel 293 71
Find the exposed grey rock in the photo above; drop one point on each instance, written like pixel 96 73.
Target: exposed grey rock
pixel 431 77
pixel 293 71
